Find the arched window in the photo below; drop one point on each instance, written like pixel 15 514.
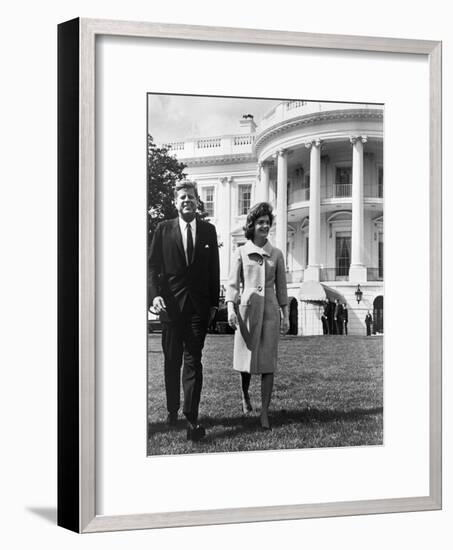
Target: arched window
pixel 378 314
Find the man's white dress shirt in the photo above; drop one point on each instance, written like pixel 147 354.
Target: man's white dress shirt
pixel 183 228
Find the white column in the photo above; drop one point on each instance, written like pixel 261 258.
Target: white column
pixel 225 208
pixel 262 184
pixel 357 270
pixel 282 201
pixel 272 191
pixel 312 272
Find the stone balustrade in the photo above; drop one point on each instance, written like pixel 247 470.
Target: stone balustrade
pixel 212 146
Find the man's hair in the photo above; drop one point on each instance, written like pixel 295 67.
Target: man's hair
pixel 260 209
pixel 186 184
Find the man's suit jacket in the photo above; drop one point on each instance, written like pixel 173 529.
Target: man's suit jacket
pixel 338 315
pixel 174 280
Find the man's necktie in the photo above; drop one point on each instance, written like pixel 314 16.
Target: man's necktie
pixel 189 244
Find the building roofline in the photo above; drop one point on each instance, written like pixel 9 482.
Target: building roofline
pixel 314 118
pixel 220 159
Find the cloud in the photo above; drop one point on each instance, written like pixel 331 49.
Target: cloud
pixel 175 118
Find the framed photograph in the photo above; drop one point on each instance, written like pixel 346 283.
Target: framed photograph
pixel 226 353
pixel 297 159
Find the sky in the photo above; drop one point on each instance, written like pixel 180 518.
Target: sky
pixel 176 118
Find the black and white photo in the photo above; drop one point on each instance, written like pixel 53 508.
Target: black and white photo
pixel 296 296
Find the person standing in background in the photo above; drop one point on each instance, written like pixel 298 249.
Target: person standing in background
pixel 345 318
pixel 338 316
pixel 368 323
pixel 325 318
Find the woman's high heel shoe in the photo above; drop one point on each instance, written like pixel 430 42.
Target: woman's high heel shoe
pixel 246 405
pixel 265 424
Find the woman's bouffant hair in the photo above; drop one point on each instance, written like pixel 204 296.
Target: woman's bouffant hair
pixel 260 209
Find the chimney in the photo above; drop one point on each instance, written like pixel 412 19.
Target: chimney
pixel 247 124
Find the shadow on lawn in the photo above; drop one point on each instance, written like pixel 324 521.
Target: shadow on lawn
pixel 250 424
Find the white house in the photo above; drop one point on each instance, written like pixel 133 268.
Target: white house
pixel 321 166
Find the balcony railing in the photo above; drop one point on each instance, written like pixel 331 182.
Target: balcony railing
pixel 175 145
pixel 243 140
pixel 375 274
pixel 334 274
pixel 295 104
pixel 209 143
pixel 212 146
pixel 344 190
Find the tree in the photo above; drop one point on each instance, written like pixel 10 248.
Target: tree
pixel 164 171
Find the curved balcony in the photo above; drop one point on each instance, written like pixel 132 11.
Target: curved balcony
pixel 288 110
pixel 334 274
pixel 342 191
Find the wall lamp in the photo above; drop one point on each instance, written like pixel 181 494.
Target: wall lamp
pixel 358 294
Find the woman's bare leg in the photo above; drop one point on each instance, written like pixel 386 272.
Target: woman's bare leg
pixel 267 383
pixel 245 384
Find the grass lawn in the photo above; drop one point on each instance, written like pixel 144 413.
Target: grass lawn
pixel 328 392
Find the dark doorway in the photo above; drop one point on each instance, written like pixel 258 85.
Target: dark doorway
pixel 342 255
pixel 378 314
pixel 292 316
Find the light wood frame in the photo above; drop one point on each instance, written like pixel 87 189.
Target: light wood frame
pixel 76 229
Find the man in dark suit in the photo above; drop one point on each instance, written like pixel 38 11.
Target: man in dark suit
pixel 330 313
pixel 325 317
pixel 345 318
pixel 184 290
pixel 338 316
pixel 368 323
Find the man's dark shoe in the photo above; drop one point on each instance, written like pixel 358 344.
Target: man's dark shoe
pixel 195 433
pixel 172 419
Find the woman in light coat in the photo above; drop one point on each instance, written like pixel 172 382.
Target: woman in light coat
pixel 261 311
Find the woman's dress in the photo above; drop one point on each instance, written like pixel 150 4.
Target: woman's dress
pixel 261 272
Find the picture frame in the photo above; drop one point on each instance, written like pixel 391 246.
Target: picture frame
pixel 77 249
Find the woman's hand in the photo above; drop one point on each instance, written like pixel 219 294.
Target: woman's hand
pixel 232 317
pixel 233 320
pixel 284 325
